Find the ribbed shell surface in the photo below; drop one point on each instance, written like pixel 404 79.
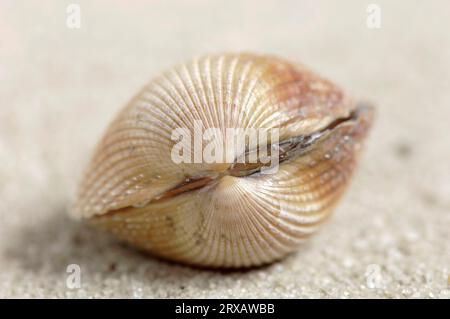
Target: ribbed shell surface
pixel 231 221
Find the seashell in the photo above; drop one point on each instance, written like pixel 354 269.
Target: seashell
pixel 225 214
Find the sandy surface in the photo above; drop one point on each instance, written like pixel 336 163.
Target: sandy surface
pixel 59 88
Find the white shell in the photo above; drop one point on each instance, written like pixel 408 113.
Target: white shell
pixel 229 221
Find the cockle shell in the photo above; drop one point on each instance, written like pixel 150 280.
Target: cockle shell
pixel 222 214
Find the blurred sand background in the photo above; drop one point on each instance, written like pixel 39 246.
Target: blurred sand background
pixel 60 87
